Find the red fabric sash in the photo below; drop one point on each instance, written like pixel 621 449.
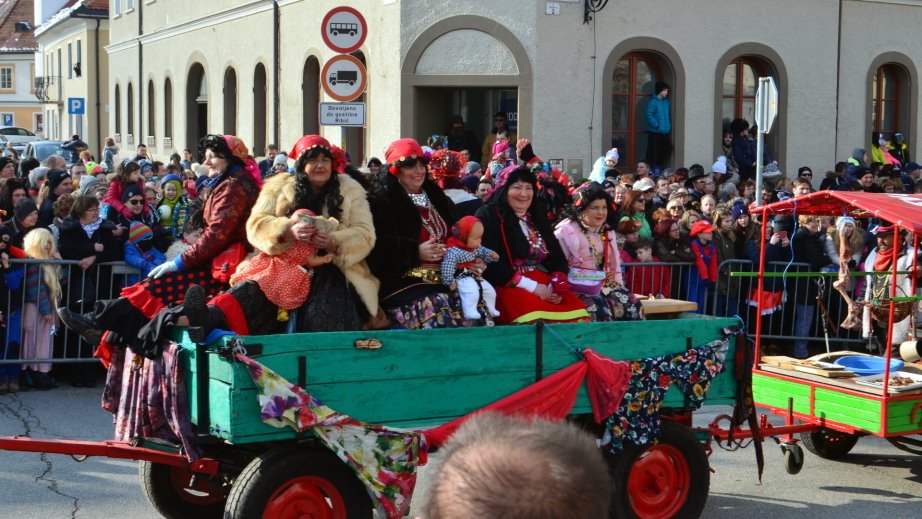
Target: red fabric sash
pixel 233 312
pixel 553 397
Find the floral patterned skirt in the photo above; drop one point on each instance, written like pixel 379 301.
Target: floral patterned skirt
pixel 434 310
pixel 619 305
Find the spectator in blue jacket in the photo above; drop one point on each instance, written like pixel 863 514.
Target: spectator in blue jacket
pixel 659 147
pixel 140 252
pixel 743 154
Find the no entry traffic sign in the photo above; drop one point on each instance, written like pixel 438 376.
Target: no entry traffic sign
pixel 343 77
pixel 344 29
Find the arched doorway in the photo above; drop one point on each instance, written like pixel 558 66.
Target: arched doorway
pixel 493 74
pixel 310 96
pixel 196 107
pixel 259 110
pixel 230 101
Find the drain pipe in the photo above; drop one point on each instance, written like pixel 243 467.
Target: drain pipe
pixel 98 104
pixel 140 139
pixel 276 71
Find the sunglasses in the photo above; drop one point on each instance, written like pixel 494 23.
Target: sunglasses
pixel 135 201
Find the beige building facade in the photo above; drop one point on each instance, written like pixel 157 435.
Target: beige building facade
pixel 74 72
pixel 18 105
pixel 252 68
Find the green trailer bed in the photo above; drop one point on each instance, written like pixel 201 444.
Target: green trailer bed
pixel 426 377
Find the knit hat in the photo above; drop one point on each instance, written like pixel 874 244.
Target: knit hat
pixel 700 227
pixel 858 153
pixel 659 86
pixel 92 168
pixel 720 166
pixel 130 191
pixel 739 209
pixel 146 165
pixel 87 182
pixel 6 160
pixel 56 176
pixel 139 232
pixel 200 182
pixel 281 158
pixel 912 166
pixel 24 207
pixel 471 168
pixel 842 221
pixel 612 154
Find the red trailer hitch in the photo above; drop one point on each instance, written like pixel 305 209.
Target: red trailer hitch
pixel 110 449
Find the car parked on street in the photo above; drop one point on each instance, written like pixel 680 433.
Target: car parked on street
pixel 41 150
pixel 18 136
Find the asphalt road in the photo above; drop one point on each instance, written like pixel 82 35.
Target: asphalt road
pixel 875 481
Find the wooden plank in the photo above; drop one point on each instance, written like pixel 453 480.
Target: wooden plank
pixel 832 382
pixel 854 402
pixel 667 306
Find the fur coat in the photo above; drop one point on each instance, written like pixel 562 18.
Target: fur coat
pixel 355 235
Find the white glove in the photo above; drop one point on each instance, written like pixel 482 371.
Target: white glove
pixel 162 269
pixel 527 284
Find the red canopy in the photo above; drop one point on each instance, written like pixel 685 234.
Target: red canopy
pixel 903 210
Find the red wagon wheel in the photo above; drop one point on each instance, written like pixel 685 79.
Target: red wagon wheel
pixel 167 488
pixel 669 479
pixel 297 481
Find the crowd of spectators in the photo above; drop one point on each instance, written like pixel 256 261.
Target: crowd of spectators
pixel 557 249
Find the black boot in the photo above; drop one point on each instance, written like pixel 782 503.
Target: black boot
pixel 195 307
pixel 83 325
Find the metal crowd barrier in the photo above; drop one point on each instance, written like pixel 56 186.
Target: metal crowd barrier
pixel 80 289
pixel 732 297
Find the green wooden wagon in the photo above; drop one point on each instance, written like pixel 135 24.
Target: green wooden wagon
pixel 415 380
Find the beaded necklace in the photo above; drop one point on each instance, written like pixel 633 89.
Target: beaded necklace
pixel 600 258
pixel 431 220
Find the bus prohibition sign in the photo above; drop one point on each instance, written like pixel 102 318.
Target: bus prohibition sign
pixel 344 29
pixel 343 77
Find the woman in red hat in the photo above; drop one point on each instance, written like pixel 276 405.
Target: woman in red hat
pixel 413 217
pixel 531 259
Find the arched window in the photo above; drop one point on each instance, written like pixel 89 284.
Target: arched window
pixel 889 96
pixel 741 79
pixel 738 96
pixel 259 109
pixel 151 112
pixel 118 110
pixel 230 101
pixel 130 128
pixel 310 96
pixel 167 108
pixel 632 85
pixel 196 107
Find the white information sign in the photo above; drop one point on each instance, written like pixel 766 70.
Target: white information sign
pixel 342 114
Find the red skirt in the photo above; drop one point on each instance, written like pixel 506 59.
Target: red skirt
pixel 517 305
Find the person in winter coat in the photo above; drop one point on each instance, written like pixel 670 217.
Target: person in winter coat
pixel 659 147
pixel 140 252
pixel 728 288
pixel 809 247
pixel 705 264
pixel 56 184
pixel 777 246
pixel 742 154
pixel 108 155
pixel 855 164
pixel 129 173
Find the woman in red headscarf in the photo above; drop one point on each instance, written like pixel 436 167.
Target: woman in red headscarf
pixel 413 217
pixel 234 186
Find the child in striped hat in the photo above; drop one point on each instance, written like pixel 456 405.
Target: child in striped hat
pixel 139 249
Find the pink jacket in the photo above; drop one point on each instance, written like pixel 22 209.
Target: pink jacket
pixel 575 246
